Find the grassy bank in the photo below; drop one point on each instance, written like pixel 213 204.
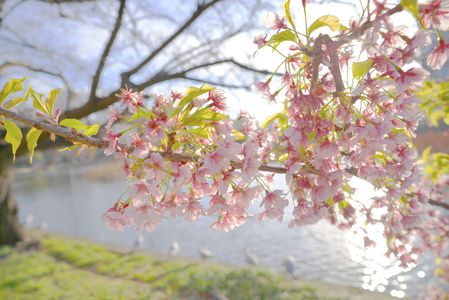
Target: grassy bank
pixel 63 268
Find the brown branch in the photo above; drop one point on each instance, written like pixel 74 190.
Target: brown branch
pixel 357 33
pixel 316 61
pixel 248 68
pixel 91 107
pixel 66 133
pixel 332 51
pixel 107 49
pixel 76 137
pixel 102 103
pixel 439 204
pixel 216 83
pixel 196 14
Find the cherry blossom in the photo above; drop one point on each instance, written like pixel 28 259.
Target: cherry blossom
pixel 439 55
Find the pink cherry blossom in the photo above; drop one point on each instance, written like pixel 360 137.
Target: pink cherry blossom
pixel 411 78
pixel 112 142
pixel 131 99
pixel 114 217
pixel 115 116
pixel 144 217
pixel 439 55
pixel 182 177
pixel 260 40
pixel 141 147
pixel 139 192
pixel 274 22
pixel 436 14
pixel 274 205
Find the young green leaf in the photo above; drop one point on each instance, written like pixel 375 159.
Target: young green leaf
pixel 38 104
pixel 92 130
pixel 17 100
pixel 288 14
pixel 73 123
pixel 328 20
pixel 278 116
pixel 282 36
pixel 51 98
pixel 411 6
pixel 32 138
pixel 192 93
pixel 13 102
pixel 203 117
pixel 202 132
pixel 13 85
pixel 13 135
pixel 143 113
pixel 359 69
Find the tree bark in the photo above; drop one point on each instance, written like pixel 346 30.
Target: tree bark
pixel 10 229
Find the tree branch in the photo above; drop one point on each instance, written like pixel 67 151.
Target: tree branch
pixel 76 137
pixel 439 204
pixel 198 12
pixel 230 61
pixel 66 133
pixel 365 26
pixel 211 82
pixel 107 49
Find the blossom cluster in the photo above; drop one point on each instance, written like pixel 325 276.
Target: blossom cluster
pixel 184 150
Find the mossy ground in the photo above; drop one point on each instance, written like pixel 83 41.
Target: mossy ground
pixel 64 268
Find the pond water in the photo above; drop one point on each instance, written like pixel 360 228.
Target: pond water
pixel 71 200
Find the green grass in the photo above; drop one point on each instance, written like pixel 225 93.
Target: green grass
pixel 64 268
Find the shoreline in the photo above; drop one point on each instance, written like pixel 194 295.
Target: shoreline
pixel 111 260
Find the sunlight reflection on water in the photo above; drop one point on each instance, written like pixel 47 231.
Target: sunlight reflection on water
pixel 70 201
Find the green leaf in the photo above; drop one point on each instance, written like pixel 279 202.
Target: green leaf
pixel 287 12
pixel 141 113
pixel 17 100
pixel 282 36
pixel 434 98
pixel 32 137
pixel 426 153
pixel 203 117
pixel 38 104
pixel 435 117
pixel 202 132
pixel 70 148
pixel 411 6
pixel 328 20
pixel 13 85
pixel 278 116
pixel 359 69
pixel 192 93
pixel 80 126
pixel 13 102
pixel 73 123
pixel 239 136
pixel 13 135
pixel 92 130
pixel 50 102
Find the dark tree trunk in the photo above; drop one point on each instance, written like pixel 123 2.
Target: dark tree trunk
pixel 10 228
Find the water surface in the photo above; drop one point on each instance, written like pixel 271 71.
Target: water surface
pixel 71 200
